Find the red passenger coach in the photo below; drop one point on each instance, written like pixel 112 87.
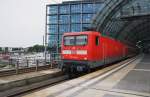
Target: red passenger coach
pixel 85 50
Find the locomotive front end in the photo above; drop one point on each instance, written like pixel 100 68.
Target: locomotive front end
pixel 75 51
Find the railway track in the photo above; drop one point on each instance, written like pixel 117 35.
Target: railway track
pixel 56 80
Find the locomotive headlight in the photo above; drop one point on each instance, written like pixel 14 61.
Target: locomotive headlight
pixel 66 52
pixel 82 52
pixel 85 58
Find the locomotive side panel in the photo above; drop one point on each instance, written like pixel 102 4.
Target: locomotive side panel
pixel 96 53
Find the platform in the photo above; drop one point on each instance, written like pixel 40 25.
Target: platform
pixel 14 83
pixel 128 80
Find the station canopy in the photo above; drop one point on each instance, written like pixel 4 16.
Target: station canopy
pixel 125 20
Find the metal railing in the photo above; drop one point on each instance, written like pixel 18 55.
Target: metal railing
pixel 55 59
pixel 27 64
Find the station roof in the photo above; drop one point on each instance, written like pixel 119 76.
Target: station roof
pixel 125 20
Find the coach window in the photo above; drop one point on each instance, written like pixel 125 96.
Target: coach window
pixel 97 40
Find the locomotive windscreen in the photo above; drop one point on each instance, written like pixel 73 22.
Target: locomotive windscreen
pixel 81 40
pixel 69 40
pixel 75 40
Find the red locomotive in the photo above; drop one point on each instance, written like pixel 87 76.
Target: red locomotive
pixel 85 50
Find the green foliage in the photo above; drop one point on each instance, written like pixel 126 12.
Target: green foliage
pixel 15 49
pixel 41 48
pixel 0 49
pixel 36 48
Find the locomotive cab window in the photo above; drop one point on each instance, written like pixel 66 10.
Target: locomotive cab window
pixel 97 40
pixel 75 40
pixel 81 40
pixel 69 40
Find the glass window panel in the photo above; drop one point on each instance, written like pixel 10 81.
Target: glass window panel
pixel 97 40
pixel 53 19
pixel 60 39
pixel 76 28
pixel 88 8
pixel 53 9
pixel 53 37
pixel 85 27
pixel 53 29
pixel 98 7
pixel 76 18
pixel 52 44
pixel 76 8
pixel 52 40
pixel 87 18
pixel 64 9
pixel 81 40
pixel 63 28
pixel 69 40
pixel 64 19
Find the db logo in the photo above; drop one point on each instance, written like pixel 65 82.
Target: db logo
pixel 73 52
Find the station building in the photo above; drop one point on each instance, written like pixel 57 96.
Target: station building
pixel 70 16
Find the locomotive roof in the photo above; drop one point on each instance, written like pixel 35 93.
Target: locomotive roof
pixel 82 33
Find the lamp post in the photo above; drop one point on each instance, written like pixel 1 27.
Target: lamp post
pixel 45 49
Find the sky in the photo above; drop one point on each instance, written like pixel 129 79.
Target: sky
pixel 22 22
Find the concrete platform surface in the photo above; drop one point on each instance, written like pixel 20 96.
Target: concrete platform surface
pixel 10 82
pixel 11 78
pixel 127 80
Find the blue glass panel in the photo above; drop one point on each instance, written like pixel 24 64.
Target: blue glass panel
pixel 76 28
pixel 53 40
pixel 63 28
pixel 64 9
pixel 76 18
pixel 85 26
pixel 52 37
pixel 53 19
pixel 88 8
pixel 64 19
pixel 87 18
pixel 98 7
pixel 60 39
pixel 76 8
pixel 53 29
pixel 53 9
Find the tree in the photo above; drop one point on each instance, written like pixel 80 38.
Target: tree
pixel 0 49
pixel 6 49
pixel 36 48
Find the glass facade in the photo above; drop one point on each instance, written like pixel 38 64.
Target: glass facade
pixel 76 8
pixel 87 18
pixel 75 27
pixel 63 28
pixel 88 8
pixel 76 18
pixel 70 17
pixel 64 9
pixel 53 29
pixel 64 19
pixel 52 40
pixel 53 10
pixel 53 19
